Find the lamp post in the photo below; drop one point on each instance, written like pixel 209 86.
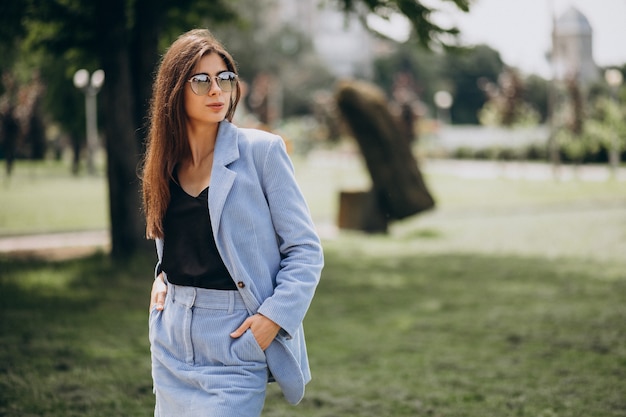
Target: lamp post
pixel 443 101
pixel 614 79
pixel 90 85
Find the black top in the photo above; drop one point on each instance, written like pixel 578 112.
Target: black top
pixel 190 256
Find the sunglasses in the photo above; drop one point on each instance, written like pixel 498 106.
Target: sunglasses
pixel 201 83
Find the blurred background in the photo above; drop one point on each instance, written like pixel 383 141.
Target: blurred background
pixel 484 80
pixel 533 81
pixel 462 160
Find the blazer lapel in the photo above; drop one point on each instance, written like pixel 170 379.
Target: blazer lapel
pixel 222 178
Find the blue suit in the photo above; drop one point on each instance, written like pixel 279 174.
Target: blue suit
pixel 267 240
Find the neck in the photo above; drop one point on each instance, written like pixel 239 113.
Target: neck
pixel 202 141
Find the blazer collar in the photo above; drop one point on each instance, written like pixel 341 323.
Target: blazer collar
pixel 226 144
pixel 222 178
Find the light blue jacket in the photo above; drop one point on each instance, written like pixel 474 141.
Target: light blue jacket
pixel 265 235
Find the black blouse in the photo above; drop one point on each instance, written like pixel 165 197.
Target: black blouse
pixel 190 256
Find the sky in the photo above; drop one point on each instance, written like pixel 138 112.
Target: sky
pixel 521 29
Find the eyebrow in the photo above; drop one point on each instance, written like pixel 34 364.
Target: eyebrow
pixel 206 73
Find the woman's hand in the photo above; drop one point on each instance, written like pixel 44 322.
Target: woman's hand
pixel 263 329
pixel 159 290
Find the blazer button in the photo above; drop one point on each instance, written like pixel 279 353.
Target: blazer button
pixel 241 284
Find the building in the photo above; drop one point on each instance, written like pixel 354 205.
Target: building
pixel 572 49
pixel 342 42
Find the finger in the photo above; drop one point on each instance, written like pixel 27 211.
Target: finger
pixel 160 300
pixel 240 330
pixel 158 293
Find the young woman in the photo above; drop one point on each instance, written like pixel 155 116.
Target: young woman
pixel 239 258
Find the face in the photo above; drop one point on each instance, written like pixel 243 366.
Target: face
pixel 209 108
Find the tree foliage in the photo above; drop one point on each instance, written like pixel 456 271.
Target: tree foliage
pixel 121 37
pixel 279 51
pixel 423 65
pixel 458 71
pixel 467 69
pixel 124 38
pixel 603 130
pixel 506 105
pixel 428 33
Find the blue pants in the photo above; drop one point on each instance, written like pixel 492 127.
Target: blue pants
pixel 197 368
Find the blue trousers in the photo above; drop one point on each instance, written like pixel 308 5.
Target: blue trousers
pixel 198 370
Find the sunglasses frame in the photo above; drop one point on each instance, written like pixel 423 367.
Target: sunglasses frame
pixel 229 82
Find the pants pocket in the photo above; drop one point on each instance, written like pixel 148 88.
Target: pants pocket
pixel 247 349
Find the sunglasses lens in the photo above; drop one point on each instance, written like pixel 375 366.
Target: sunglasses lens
pixel 226 81
pixel 200 84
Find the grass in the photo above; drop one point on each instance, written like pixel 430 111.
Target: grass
pixel 460 335
pixel 421 335
pixel 42 197
pixel 508 300
pixel 73 337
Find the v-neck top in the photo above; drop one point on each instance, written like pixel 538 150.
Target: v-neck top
pixel 190 255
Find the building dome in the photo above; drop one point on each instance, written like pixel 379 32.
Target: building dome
pixel 572 22
pixel 572 49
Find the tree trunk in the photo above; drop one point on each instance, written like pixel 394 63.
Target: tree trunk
pixel 10 132
pixel 76 144
pixel 397 182
pixel 144 55
pixel 127 224
pixel 359 210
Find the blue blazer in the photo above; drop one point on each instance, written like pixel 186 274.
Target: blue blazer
pixel 265 235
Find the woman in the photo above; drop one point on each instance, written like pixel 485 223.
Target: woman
pixel 239 259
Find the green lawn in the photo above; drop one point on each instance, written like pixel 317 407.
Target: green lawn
pixel 44 197
pixel 509 299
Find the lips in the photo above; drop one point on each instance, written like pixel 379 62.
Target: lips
pixel 216 106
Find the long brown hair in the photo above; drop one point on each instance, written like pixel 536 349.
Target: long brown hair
pixel 167 142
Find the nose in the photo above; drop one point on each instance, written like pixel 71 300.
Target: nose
pixel 214 88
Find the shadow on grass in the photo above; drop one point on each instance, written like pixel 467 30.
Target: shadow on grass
pixel 74 337
pixel 464 335
pixel 388 335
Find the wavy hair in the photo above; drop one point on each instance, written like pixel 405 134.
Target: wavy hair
pixel 167 142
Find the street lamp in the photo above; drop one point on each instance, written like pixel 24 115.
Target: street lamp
pixel 90 85
pixel 443 101
pixel 614 79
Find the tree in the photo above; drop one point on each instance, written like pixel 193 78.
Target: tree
pixel 397 184
pixel 536 94
pixel 605 129
pixel 279 51
pixel 464 70
pixel 506 105
pixel 124 37
pixel 428 33
pixel 107 35
pixel 424 66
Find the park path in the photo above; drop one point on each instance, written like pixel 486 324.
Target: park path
pixel 73 244
pixel 523 170
pixel 56 245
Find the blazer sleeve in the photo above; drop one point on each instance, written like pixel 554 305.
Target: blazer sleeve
pixel 159 250
pixel 300 248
